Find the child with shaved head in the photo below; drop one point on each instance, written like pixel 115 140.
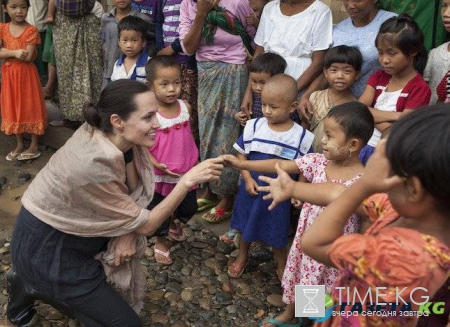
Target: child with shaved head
pixel 274 136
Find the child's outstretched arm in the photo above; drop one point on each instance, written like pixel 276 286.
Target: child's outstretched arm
pixel 317 240
pixel 263 166
pixel 284 187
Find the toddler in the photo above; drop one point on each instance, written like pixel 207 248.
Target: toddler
pixel 342 66
pixel 131 65
pixel 174 152
pixel 273 136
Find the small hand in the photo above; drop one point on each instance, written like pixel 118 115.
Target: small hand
pixel 378 176
pixel 231 161
pixel 247 104
pixel 252 20
pixel 305 109
pixel 204 6
pixel 280 188
pixel 167 51
pixel 163 167
pixel 241 117
pixel 251 186
pixel 123 247
pixel 21 54
pixel 296 203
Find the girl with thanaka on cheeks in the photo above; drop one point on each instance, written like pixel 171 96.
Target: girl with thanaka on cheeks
pixel 398 88
pixel 174 151
pixel 347 128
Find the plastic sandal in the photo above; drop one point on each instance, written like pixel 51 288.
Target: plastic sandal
pixel 28 156
pixel 205 204
pixel 12 156
pixel 176 234
pixel 216 215
pixel 235 270
pixel 163 254
pixel 229 236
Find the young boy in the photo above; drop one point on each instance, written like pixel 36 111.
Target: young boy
pixel 262 68
pixel 131 65
pixel 110 36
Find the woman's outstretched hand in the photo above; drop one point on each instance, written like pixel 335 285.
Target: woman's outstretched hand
pixel 279 189
pixel 206 171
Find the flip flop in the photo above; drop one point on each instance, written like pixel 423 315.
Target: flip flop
pixel 235 270
pixel 28 156
pixel 229 236
pixel 272 321
pixel 164 254
pixel 176 234
pixel 216 216
pixel 205 204
pixel 12 156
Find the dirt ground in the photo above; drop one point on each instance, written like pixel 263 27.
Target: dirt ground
pixel 11 193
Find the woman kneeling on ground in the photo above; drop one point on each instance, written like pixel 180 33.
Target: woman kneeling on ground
pixel 91 197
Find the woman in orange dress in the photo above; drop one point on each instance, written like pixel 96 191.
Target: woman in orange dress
pixel 22 102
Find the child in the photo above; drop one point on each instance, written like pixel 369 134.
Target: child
pixel 92 6
pixel 110 37
pixel 22 101
pixel 174 152
pixel 257 7
pixel 262 68
pixel 347 128
pixel 132 32
pixel 399 88
pixel 407 246
pixel 273 136
pixel 342 66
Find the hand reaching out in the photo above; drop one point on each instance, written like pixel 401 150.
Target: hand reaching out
pixel 231 161
pixel 163 168
pixel 280 188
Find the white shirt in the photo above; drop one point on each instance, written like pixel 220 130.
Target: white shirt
pixel 437 65
pixel 295 37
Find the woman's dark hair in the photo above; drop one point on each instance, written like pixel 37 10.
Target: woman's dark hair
pixel 5 2
pixel 133 23
pixel 116 98
pixel 403 32
pixel 152 66
pixel 355 119
pixel 268 63
pixel 343 54
pixel 419 145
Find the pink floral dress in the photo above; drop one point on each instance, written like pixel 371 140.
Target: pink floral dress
pixel 300 268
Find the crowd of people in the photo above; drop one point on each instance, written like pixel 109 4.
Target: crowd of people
pixel 267 106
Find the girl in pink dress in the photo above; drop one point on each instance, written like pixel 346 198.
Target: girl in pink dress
pixel 174 152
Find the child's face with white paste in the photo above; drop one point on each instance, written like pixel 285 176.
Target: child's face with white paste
pixel 334 142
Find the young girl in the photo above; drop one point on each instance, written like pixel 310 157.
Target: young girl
pixel 22 102
pixel 342 66
pixel 398 88
pixel 347 128
pixel 408 244
pixel 174 152
pixel 273 136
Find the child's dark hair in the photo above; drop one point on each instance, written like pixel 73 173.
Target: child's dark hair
pixel 343 54
pixel 116 98
pixel 5 2
pixel 403 32
pixel 418 145
pixel 355 119
pixel 268 63
pixel 152 66
pixel 133 23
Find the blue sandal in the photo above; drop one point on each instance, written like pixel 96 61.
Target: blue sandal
pixel 229 236
pixel 272 321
